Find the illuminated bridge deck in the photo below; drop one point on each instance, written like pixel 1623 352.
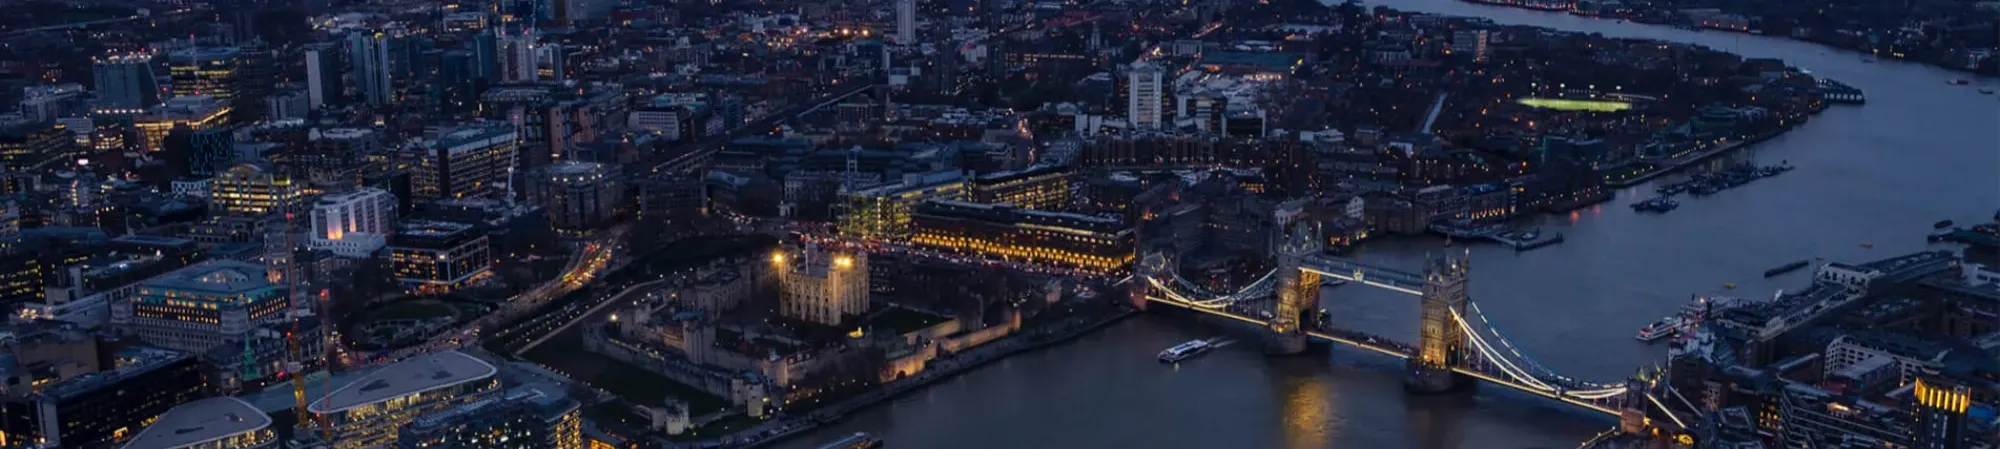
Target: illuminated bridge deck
pixel 1392 348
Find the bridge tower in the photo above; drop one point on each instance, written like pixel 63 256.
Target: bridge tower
pixel 1153 261
pixel 1297 289
pixel 1441 344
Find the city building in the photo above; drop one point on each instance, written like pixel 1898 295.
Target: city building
pixel 1042 187
pixel 578 197
pixel 196 308
pixel 517 56
pixel 884 212
pixel 205 71
pixel 369 413
pixel 353 224
pixel 370 54
pixel 438 256
pixel 1937 419
pixel 1100 244
pixel 50 102
pixel 84 292
pixel 522 418
pixel 469 162
pixel 324 84
pixel 822 285
pixel 197 154
pixel 30 145
pixel 906 22
pixel 1470 43
pixel 1812 417
pixel 1145 106
pixel 253 190
pixel 213 423
pixel 125 83
pixel 104 408
pixel 200 112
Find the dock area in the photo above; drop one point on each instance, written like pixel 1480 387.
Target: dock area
pixel 1519 240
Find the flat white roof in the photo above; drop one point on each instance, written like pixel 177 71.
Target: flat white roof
pixel 199 422
pixel 411 376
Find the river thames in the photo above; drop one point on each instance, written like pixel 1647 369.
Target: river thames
pixel 1880 174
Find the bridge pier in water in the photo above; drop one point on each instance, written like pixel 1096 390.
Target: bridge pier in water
pixel 1441 345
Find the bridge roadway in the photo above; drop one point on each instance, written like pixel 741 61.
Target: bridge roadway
pixel 1390 348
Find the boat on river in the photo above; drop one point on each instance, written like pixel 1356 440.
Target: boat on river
pixel 859 440
pixel 1787 268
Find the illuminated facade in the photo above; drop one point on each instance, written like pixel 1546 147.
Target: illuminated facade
pixel 367 414
pixel 1093 243
pixel 253 190
pixel 106 408
pixel 195 308
pixel 196 112
pixel 470 162
pixel 209 71
pixel 353 224
pixel 29 145
pixel 1937 419
pixel 822 285
pixel 523 418
pixel 884 212
pixel 438 256
pixel 1039 188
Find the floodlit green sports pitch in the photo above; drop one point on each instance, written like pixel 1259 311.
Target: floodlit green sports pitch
pixel 1577 105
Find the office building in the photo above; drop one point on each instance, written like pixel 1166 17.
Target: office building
pixel 1100 244
pixel 105 408
pixel 253 190
pixel 84 292
pixel 369 51
pixel 196 308
pixel 522 418
pixel 822 285
pixel 287 104
pixel 256 79
pixel 1042 187
pixel 41 104
pixel 1145 96
pixel 884 212
pixel 1812 417
pixel 125 83
pixel 324 84
pixel 198 153
pixel 906 22
pixel 1937 419
pixel 198 113
pixel 438 256
pixel 213 423
pixel 30 145
pixel 517 62
pixel 1470 44
pixel 353 224
pixel 205 71
pixel 469 162
pixel 369 413
pixel 578 197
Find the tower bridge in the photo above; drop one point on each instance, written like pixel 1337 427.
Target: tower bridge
pixel 1456 345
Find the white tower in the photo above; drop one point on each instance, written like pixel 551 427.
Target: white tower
pixel 1145 91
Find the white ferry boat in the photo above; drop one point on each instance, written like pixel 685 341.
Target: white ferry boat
pixel 1665 327
pixel 1183 351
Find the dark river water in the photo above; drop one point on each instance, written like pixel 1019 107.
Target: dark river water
pixel 1920 151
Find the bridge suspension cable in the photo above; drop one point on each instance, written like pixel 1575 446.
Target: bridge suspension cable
pixel 1530 361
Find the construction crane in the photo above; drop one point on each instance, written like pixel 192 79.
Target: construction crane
pixel 296 365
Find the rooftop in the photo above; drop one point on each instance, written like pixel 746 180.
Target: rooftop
pixel 414 375
pixel 218 276
pixel 200 422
